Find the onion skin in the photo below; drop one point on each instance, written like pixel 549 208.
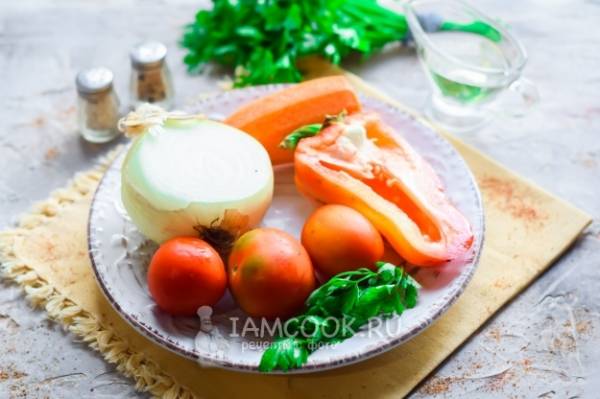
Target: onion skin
pixel 235 213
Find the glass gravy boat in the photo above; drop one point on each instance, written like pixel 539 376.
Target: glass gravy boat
pixel 469 68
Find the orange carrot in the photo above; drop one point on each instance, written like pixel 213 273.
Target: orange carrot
pixel 271 118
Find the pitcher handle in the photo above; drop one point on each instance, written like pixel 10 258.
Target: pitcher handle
pixel 523 96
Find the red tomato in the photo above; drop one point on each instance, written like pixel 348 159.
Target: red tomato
pixel 339 239
pixel 186 273
pixel 270 273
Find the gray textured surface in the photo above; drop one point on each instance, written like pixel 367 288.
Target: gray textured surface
pixel 544 344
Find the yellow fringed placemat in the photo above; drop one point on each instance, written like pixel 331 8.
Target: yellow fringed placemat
pixel 526 230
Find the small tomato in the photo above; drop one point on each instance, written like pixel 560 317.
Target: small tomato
pixel 270 273
pixel 184 274
pixel 339 239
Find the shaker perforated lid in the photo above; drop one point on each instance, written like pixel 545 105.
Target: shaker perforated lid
pixel 94 80
pixel 148 54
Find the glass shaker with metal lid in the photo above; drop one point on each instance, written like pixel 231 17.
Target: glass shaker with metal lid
pixel 98 105
pixel 150 77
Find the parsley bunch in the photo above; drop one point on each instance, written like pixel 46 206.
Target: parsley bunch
pixel 338 309
pixel 262 39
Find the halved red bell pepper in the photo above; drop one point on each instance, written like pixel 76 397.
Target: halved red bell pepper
pixel 362 163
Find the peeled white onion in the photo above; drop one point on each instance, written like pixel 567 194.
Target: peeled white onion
pixel 184 176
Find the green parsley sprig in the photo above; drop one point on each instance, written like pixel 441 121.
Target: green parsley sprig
pixel 338 309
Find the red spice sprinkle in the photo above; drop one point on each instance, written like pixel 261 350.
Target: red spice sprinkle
pixel 508 199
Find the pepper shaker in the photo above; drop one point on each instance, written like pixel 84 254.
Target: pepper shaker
pixel 150 77
pixel 98 105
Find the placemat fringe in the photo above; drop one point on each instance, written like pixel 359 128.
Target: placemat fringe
pixel 39 293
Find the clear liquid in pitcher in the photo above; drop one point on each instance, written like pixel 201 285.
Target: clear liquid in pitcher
pixel 468 85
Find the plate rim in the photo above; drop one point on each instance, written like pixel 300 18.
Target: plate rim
pixel 429 319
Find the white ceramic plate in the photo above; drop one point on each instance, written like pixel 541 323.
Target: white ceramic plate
pixel 120 255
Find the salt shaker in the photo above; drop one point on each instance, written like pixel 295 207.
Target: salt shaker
pixel 98 105
pixel 150 77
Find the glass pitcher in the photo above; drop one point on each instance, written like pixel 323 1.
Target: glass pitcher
pixel 473 63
